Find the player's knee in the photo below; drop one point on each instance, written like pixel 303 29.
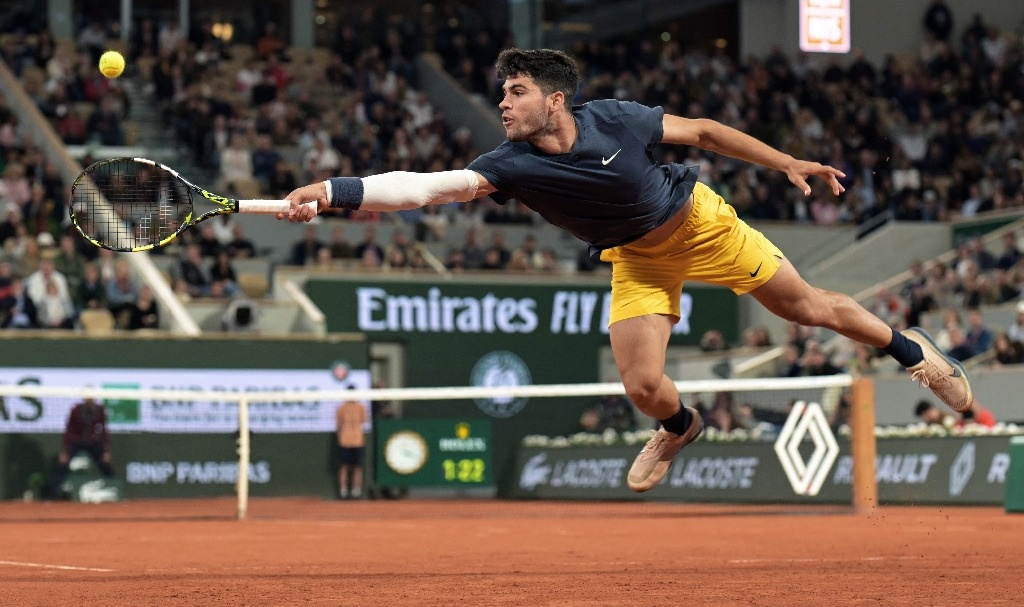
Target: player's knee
pixel 642 387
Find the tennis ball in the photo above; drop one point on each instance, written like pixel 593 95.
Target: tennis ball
pixel 111 64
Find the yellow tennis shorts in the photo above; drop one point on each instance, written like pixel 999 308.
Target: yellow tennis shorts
pixel 712 245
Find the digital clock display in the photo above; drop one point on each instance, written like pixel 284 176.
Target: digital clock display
pixel 434 453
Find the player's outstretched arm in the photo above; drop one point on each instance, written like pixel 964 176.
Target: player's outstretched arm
pixel 719 138
pixel 394 191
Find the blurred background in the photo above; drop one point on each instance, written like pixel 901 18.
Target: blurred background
pixel 920 102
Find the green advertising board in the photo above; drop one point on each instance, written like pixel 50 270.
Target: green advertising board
pixel 1014 501
pixel 434 453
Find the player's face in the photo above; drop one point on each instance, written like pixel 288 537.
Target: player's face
pixel 523 109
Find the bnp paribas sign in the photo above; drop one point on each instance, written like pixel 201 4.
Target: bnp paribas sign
pixel 562 311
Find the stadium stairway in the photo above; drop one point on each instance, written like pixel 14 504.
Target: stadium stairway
pixel 154 137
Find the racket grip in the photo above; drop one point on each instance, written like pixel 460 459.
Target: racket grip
pixel 269 207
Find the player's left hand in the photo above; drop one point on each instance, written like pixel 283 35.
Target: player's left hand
pixel 800 170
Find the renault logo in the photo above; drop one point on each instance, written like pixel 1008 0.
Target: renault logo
pixel 808 476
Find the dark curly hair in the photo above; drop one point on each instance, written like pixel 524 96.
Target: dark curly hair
pixel 552 70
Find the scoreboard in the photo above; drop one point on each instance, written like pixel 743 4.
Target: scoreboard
pixel 422 452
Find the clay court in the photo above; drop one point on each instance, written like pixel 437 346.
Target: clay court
pixel 487 552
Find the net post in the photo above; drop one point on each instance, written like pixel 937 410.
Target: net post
pixel 242 483
pixel 862 445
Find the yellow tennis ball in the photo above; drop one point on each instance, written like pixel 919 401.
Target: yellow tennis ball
pixel 111 64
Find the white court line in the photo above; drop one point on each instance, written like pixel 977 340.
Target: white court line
pixel 61 567
pixel 813 560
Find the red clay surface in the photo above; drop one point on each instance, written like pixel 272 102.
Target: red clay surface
pixel 523 554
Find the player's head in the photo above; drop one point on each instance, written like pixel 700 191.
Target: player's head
pixel 552 70
pixel 539 85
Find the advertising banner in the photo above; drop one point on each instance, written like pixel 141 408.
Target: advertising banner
pixel 951 470
pixel 45 415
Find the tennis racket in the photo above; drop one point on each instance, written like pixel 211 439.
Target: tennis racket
pixel 135 204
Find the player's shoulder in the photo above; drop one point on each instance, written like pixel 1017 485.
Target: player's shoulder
pixel 600 110
pixel 504 151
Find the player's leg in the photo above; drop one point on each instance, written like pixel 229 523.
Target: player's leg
pixel 789 296
pixel 719 248
pixel 639 344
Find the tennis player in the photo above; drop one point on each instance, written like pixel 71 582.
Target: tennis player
pixel 590 169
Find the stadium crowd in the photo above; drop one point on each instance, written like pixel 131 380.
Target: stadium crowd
pixel 923 138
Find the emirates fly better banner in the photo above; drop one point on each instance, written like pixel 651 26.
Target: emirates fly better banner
pixel 49 415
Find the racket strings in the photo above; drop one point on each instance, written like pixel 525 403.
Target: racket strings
pixel 128 205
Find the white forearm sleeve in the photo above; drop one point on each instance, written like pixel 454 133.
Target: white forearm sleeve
pixel 399 190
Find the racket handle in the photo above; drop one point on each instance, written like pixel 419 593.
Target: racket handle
pixel 269 207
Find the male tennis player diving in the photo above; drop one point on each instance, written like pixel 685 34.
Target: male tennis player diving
pixel 590 170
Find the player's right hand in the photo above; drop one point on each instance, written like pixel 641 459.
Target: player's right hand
pixel 298 197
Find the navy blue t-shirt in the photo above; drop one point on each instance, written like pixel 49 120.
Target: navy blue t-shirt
pixel 607 190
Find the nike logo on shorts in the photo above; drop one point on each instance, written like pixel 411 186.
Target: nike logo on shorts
pixel 605 162
pixel 754 273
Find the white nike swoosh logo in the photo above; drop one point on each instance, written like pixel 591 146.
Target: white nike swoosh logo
pixel 605 162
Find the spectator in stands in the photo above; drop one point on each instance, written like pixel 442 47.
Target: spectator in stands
pixel 529 252
pixel 106 123
pixel 15 184
pixel 240 247
pixel 959 349
pixel 37 284
pixel 1016 330
pixel 616 412
pixel 283 180
pixel 472 252
pixel 1011 254
pixel 938 20
pixel 55 309
pixel 930 414
pixel 8 224
pixel 979 337
pixel 69 262
pixel 235 164
pixel 432 225
pixel 222 271
pixel 208 241
pixel 1007 351
pixel 17 310
pixel 816 361
pixel 977 415
pixel 122 291
pixel 324 262
pixel 92 39
pixel 340 247
pixel 369 243
pixel 91 293
pixel 6 278
pixel 191 269
pixel 144 312
pixel 270 44
pixel 1004 288
pixel 321 159
pixel 264 160
pixel 304 251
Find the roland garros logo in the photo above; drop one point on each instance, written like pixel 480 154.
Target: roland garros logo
pixel 806 477
pixel 501 368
